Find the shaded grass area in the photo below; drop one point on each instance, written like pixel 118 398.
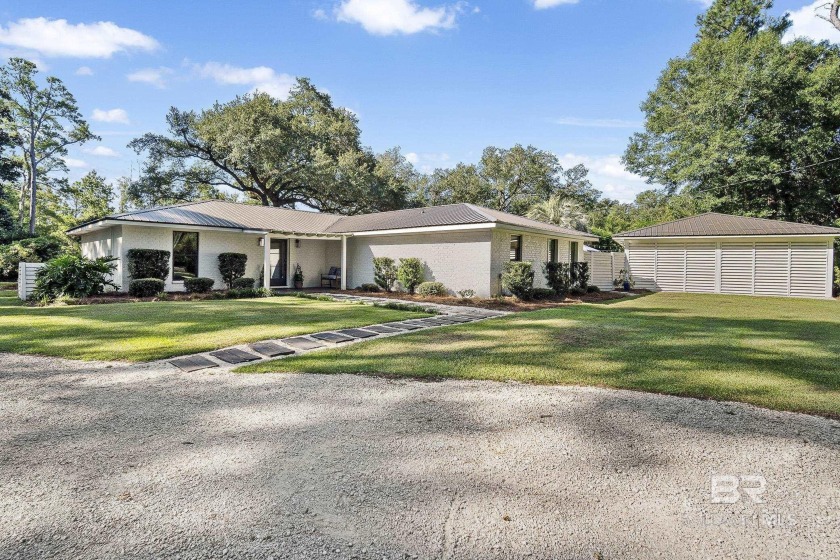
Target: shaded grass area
pixel 773 352
pixel 154 330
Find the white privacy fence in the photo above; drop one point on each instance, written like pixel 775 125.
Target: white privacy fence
pixel 604 268
pixel 26 278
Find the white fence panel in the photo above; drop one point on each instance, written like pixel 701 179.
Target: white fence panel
pixel 604 268
pixel 26 278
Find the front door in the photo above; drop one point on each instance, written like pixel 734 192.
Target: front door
pixel 279 263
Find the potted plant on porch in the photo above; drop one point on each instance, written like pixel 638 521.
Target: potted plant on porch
pixel 624 280
pixel 297 277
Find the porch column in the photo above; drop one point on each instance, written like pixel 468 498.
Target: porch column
pixel 267 262
pixel 343 262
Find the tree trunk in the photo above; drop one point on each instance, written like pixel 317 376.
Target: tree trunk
pixel 24 185
pixel 33 187
pixel 834 16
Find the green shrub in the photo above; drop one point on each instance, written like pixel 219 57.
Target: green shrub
pixel 580 275
pixel 73 276
pixel 518 279
pixel 145 287
pixel 243 283
pixel 384 272
pixel 558 277
pixel 247 293
pixel 410 273
pixel 198 285
pixel 369 288
pixel 577 291
pixel 543 293
pixel 592 289
pixel 432 289
pixel 32 249
pixel 232 266
pixel 836 290
pixel 466 294
pixel 147 263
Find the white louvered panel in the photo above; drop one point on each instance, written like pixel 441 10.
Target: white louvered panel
pixel 642 261
pixel 670 266
pixel 700 267
pixel 736 267
pixel 808 269
pixel 771 268
pixel 600 270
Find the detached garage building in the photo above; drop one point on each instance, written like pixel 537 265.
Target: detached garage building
pixel 719 253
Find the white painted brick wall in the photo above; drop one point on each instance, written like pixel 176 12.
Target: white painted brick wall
pixel 534 250
pixel 461 260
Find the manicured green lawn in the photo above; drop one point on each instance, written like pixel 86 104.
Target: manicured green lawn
pixel 777 353
pixel 154 330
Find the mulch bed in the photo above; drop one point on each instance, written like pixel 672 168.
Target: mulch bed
pixel 498 304
pixel 125 298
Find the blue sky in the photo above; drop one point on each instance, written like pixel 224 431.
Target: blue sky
pixel 440 79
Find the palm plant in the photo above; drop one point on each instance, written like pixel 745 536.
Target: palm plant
pixel 560 211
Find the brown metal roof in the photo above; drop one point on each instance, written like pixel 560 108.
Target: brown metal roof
pixel 231 215
pixel 713 224
pixel 446 215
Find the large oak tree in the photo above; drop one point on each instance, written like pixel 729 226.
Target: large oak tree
pixel 750 120
pixel 301 150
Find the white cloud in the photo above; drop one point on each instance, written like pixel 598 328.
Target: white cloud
pixel 389 17
pixel 543 4
pixel 154 76
pixel 428 161
pixel 320 13
pixel 807 23
pixel 597 123
pixel 74 163
pixel 57 37
pixel 260 78
pixel 84 71
pixel 110 116
pixel 101 151
pixel 608 174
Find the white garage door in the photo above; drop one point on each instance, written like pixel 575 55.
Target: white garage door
pixel 763 267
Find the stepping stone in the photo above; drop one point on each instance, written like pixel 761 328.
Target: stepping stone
pixel 301 343
pixel 357 333
pixel 193 363
pixel 332 337
pixel 271 349
pixel 234 356
pixel 406 326
pixel 460 319
pixel 382 329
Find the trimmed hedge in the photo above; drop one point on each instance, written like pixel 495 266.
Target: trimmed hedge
pixel 410 273
pixel 543 293
pixel 518 279
pixel 432 289
pixel 148 263
pixel 243 283
pixel 198 285
pixel 145 287
pixel 232 266
pixel 369 288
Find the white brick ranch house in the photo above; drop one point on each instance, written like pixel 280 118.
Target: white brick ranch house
pixel 461 245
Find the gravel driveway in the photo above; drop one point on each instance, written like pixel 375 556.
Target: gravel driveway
pixel 142 462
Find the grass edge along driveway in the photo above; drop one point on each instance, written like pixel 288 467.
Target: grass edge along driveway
pixel 777 353
pixel 147 331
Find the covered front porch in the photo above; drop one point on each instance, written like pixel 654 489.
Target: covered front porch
pixel 316 254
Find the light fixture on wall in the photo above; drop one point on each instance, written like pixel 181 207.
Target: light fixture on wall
pixel 261 241
pixel 297 243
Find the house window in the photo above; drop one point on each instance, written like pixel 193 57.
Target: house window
pixel 516 247
pixel 184 255
pixel 552 250
pixel 573 249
